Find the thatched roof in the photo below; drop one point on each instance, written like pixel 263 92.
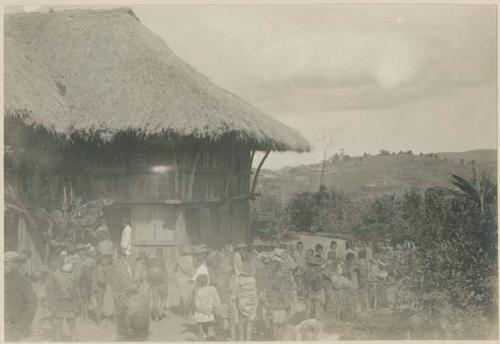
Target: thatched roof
pixel 120 77
pixel 30 93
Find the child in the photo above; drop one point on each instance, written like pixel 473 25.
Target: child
pixel 206 303
pixel 62 293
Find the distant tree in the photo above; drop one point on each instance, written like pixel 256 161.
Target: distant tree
pixel 301 211
pixel 384 152
pixel 347 157
pixel 421 154
pixel 335 157
pixel 409 152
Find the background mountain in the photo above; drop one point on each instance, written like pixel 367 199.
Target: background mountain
pixel 368 176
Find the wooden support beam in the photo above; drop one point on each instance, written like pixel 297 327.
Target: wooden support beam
pixel 230 173
pixel 189 191
pixel 256 176
pixel 176 171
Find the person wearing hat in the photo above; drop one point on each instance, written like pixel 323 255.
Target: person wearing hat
pixel 20 301
pixel 62 294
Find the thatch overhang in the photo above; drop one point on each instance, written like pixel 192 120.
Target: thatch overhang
pixel 30 93
pixel 118 77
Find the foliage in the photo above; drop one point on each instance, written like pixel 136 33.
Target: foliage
pixel 267 216
pixel 321 211
pixel 453 274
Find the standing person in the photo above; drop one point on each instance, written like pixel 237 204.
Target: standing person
pixel 131 309
pixel 220 267
pixel 126 239
pixel 314 283
pixel 62 294
pixel 27 267
pixel 319 252
pixel 363 270
pixel 87 280
pixel 332 252
pixel 279 293
pixel 247 300
pixel 300 259
pixel 141 274
pixel 238 258
pixel 350 247
pixel 157 278
pixel 349 271
pixel 200 264
pixel 299 254
pixel 206 304
pixel 104 258
pixel 184 272
pixel 19 298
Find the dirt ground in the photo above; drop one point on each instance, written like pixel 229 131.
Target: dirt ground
pixel 171 328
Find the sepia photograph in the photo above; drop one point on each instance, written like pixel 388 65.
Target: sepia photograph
pixel 250 172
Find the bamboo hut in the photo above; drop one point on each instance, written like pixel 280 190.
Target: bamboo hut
pixel 173 150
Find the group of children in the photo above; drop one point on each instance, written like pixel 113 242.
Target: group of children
pixel 231 289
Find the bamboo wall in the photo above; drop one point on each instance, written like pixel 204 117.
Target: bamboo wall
pixel 204 184
pixel 207 183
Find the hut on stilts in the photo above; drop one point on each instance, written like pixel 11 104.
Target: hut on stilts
pixel 141 127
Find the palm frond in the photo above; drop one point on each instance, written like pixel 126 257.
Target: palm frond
pixel 466 187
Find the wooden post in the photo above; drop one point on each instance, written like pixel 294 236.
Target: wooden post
pixel 229 175
pixel 256 176
pixel 189 193
pixel 176 172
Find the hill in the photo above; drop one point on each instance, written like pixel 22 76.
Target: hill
pixel 368 176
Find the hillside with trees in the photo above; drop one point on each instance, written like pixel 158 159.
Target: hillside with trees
pixel 374 175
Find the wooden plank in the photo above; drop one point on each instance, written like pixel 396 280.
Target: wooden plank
pixel 189 193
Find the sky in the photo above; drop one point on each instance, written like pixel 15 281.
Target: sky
pixel 355 77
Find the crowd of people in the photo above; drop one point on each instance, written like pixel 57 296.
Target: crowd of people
pixel 235 292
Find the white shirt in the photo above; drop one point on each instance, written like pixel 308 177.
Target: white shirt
pixel 126 242
pixel 201 270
